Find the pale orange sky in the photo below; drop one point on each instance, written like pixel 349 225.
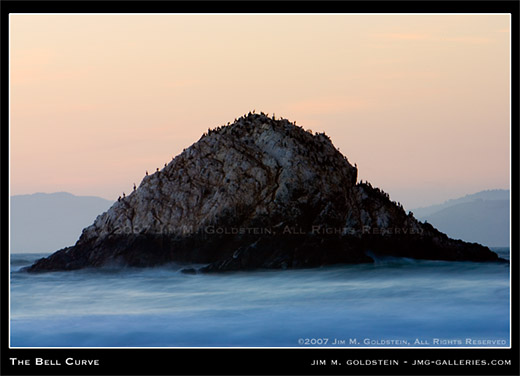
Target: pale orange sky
pixel 420 102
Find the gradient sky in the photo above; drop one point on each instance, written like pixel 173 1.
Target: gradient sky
pixel 420 102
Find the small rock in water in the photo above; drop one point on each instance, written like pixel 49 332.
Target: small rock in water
pixel 189 271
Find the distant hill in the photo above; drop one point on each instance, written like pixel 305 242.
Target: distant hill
pixel 493 194
pixel 482 217
pixel 46 222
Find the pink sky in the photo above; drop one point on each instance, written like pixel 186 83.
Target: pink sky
pixel 420 102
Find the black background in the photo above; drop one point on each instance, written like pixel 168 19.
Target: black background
pixel 254 361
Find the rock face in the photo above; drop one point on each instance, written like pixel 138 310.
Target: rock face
pixel 259 193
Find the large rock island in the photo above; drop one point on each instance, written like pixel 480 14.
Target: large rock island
pixel 258 193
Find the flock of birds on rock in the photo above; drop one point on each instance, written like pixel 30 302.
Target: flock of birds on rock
pixel 234 132
pixel 381 192
pixel 252 114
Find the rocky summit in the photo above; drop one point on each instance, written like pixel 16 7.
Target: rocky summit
pixel 257 193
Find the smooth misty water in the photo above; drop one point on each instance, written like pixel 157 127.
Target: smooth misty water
pixel 395 299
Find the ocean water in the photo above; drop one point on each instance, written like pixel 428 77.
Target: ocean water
pixel 393 303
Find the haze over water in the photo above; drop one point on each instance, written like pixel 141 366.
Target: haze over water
pixel 394 302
